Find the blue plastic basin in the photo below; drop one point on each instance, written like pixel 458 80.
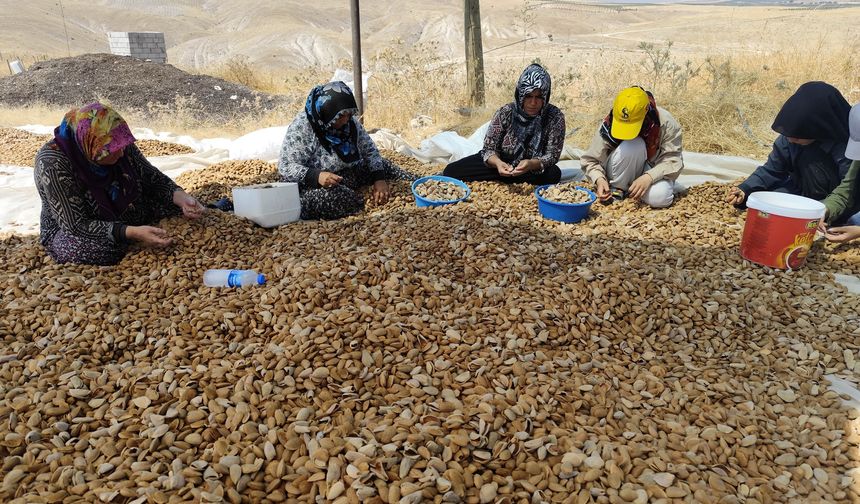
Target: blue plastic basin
pixel 564 212
pixel 424 202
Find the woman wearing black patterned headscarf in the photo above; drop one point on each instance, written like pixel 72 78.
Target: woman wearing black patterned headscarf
pixel 808 156
pixel 330 155
pixel 524 140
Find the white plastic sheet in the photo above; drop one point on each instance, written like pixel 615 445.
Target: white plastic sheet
pixel 19 201
pixel 442 148
pixel 198 145
pixel 264 144
pixel 850 282
pixel 348 78
pixel 20 205
pixel 448 146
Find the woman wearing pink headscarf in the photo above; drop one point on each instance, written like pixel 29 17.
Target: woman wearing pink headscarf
pixel 99 193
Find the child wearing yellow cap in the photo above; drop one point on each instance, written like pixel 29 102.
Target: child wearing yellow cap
pixel 636 151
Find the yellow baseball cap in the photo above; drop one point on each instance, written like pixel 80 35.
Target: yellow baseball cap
pixel 628 113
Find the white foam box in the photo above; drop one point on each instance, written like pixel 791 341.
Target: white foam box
pixel 269 205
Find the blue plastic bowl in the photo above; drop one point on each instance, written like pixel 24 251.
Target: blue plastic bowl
pixel 424 202
pixel 564 212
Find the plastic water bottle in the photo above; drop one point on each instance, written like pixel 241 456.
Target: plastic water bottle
pixel 232 278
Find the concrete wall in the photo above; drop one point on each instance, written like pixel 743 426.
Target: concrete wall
pixel 143 45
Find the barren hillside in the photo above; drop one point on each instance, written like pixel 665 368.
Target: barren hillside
pixel 299 34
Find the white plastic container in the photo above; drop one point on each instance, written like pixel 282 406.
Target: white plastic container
pixel 269 205
pixel 780 229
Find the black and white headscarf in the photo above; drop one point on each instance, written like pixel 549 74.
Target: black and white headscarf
pixel 325 105
pixel 526 129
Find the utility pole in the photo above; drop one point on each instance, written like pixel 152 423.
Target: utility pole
pixel 474 52
pixel 65 29
pixel 358 85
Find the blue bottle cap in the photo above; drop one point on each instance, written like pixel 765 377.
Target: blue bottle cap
pixel 261 279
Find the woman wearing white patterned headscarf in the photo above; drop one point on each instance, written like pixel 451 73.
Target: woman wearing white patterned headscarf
pixel 524 140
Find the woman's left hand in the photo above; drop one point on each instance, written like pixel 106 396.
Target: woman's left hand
pixel 842 234
pixel 381 192
pixel 191 208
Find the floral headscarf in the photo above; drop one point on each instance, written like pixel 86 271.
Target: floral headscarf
pixel 87 136
pixel 325 105
pixel 526 129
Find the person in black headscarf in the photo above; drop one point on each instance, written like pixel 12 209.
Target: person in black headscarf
pixel 808 156
pixel 524 140
pixel 330 155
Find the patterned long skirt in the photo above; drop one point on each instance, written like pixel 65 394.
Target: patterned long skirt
pixel 344 199
pixel 68 248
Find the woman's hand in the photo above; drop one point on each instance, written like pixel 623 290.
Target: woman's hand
pixel 822 225
pixel 381 192
pixel 148 235
pixel 504 169
pixel 603 192
pixel 329 179
pixel 842 234
pixel 640 186
pixel 736 196
pixel 525 166
pixel 191 208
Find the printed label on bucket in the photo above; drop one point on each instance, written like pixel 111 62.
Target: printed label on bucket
pixel 777 241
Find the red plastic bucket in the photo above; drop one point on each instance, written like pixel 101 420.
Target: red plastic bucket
pixel 780 229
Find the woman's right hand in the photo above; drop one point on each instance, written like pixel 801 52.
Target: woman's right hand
pixel 603 192
pixel 736 196
pixel 148 235
pixel 505 170
pixel 329 179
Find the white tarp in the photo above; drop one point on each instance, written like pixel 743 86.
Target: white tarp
pixel 264 144
pixel 19 201
pixel 448 146
pixel 850 282
pixel 348 78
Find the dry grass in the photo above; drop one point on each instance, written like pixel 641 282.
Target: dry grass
pixel 725 103
pixel 724 83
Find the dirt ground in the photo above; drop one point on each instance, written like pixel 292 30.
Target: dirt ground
pixel 130 84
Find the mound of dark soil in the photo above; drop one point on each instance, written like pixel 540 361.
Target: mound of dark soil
pixel 131 84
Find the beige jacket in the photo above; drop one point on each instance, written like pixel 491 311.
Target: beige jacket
pixel 667 163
